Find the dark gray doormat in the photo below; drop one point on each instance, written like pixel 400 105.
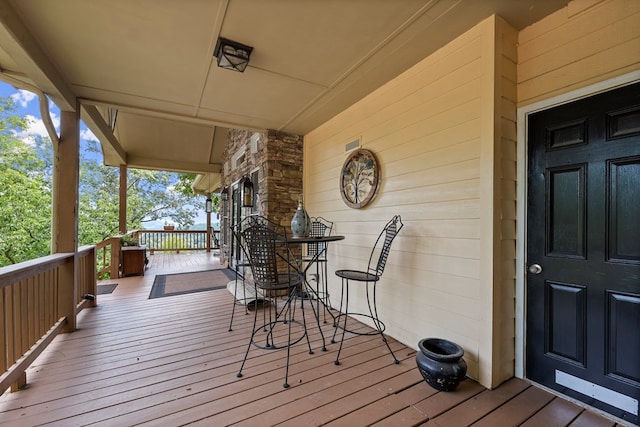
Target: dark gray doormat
pixel 106 288
pixel 184 283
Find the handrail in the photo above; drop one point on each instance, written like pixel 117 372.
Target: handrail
pixel 39 299
pixel 176 240
pixel 109 249
pixel 106 251
pixel 18 272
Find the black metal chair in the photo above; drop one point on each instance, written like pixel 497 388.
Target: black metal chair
pixel 268 255
pixel 316 254
pixel 369 278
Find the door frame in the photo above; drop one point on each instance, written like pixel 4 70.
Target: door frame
pixel 521 195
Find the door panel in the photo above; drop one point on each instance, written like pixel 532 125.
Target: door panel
pixel 565 332
pixel 623 335
pixel 583 230
pixel 623 182
pixel 566 211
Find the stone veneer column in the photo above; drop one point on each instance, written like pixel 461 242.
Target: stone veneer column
pixel 277 157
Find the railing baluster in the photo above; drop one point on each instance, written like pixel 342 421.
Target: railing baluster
pixel 30 311
pixel 174 240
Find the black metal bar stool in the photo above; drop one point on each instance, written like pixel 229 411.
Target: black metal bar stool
pixel 274 277
pixel 315 253
pixel 369 278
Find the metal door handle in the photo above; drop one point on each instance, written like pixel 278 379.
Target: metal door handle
pixel 535 269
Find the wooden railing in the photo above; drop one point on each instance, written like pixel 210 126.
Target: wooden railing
pixel 87 280
pixel 176 241
pixel 106 252
pixel 38 300
pixel 155 241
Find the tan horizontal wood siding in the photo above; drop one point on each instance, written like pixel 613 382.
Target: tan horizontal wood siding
pixel 582 44
pixel 444 133
pixel 434 140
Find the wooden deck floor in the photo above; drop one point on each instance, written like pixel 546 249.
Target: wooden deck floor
pixel 172 361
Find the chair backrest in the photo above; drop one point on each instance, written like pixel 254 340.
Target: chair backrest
pixel 390 231
pixel 236 231
pixel 319 227
pixel 261 238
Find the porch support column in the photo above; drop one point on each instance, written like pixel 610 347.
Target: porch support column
pixel 209 230
pixel 66 167
pixel 497 202
pixel 122 216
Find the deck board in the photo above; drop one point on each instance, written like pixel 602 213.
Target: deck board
pixel 517 410
pixel 557 413
pixel 172 361
pixel 481 404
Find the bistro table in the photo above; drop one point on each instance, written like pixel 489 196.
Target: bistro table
pixel 309 292
pixel 303 294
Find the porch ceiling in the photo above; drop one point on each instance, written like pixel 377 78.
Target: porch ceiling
pixel 144 74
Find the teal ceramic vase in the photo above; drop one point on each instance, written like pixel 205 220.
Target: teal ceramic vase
pixel 300 223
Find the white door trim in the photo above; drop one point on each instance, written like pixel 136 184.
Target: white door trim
pixel 521 203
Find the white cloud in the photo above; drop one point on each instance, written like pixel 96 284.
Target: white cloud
pixel 23 97
pixel 87 135
pixel 36 125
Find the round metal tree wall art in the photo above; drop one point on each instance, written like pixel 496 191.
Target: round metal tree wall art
pixel 359 179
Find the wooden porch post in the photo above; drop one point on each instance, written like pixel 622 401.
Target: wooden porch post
pixel 66 166
pixel 209 231
pixel 122 218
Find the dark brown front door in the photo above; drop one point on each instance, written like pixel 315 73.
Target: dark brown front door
pixel 583 250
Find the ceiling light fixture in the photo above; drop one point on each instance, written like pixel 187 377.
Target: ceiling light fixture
pixel 232 55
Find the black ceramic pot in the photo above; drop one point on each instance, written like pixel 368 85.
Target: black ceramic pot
pixel 441 364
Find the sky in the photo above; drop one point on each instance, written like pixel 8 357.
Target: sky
pixel 27 105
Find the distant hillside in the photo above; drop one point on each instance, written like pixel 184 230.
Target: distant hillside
pixel 159 225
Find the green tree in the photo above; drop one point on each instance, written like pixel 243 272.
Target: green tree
pixel 25 191
pixel 97 198
pixel 151 196
pixel 183 186
pixel 25 194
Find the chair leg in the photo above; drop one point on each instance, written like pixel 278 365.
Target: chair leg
pixel 253 334
pixel 318 294
pixel 292 299
pixel 235 302
pixel 376 321
pixel 284 316
pixel 373 312
pixel 286 369
pixel 322 292
pixel 233 311
pixel 342 313
pixel 336 319
pixel 325 286
pixel 304 321
pixel 316 315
